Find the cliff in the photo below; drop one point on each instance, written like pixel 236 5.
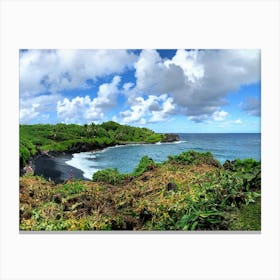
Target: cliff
pixel 170 137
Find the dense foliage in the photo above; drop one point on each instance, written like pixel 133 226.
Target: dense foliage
pixel 112 175
pixel 191 191
pixel 73 138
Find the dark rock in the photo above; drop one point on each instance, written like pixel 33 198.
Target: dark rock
pixel 170 137
pixel 171 186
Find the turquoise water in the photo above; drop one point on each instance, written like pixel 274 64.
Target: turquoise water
pixel 125 158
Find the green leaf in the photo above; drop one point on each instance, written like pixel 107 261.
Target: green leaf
pixel 194 225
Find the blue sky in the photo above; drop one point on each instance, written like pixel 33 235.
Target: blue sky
pixel 165 90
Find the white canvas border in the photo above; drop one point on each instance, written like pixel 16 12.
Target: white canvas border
pixel 143 24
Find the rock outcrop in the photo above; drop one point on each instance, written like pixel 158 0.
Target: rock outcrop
pixel 170 137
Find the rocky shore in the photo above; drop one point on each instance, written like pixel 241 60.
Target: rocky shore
pixel 56 169
pixel 51 164
pixel 170 137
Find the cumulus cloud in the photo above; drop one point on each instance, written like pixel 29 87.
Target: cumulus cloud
pixel 252 106
pixel 56 70
pixel 81 109
pixel 45 73
pixel 26 114
pixel 160 114
pixel 192 83
pixel 152 109
pixel 198 81
pixel 219 115
pixel 37 107
pixel 73 110
pixel 106 99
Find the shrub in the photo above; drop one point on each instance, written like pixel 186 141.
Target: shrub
pixel 111 176
pixel 154 138
pixel 246 165
pixel 144 164
pixel 193 157
pixel 24 154
pixel 72 188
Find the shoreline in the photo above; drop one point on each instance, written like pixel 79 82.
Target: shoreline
pixel 52 164
pixel 56 169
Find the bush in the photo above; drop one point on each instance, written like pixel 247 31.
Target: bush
pixel 111 176
pixel 72 188
pixel 144 164
pixel 246 165
pixel 154 138
pixel 193 157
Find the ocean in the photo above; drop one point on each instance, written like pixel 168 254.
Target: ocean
pixel 224 146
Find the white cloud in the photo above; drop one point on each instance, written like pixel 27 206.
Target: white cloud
pixel 26 114
pixel 187 61
pixel 106 98
pixel 219 115
pixel 137 110
pixel 127 86
pixel 72 111
pixel 168 108
pixel 80 109
pixel 152 109
pixel 156 76
pixel 198 81
pixel 238 121
pixel 52 71
pixel 37 107
pixel 193 83
pixel 56 70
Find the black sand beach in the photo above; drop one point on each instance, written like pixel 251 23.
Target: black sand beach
pixel 55 168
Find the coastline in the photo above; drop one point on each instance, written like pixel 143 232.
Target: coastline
pixel 55 168
pixel 52 164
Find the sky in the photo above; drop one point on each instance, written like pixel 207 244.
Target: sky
pixel 184 90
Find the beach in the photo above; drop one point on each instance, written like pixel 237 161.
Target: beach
pixel 55 168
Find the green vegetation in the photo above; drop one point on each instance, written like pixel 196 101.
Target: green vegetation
pixel 75 138
pixel 193 157
pixel 110 176
pixel 113 177
pixel 145 164
pixel 191 191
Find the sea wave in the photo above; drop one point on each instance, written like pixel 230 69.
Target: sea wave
pixel 175 142
pixel 83 161
pixel 89 162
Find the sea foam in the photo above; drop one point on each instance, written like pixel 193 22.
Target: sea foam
pixel 84 162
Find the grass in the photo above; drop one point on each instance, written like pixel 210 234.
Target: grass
pixel 191 191
pixel 248 218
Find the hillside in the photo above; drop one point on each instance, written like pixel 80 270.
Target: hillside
pixel 191 191
pixel 77 138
